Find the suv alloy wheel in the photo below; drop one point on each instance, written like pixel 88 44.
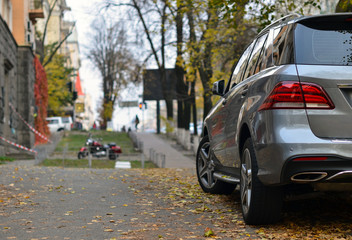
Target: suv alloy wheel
pixel 260 204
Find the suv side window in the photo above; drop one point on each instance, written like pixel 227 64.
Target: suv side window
pixel 256 53
pixel 240 67
pixel 283 45
pixel 266 59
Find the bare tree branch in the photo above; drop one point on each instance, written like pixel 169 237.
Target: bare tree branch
pixel 117 66
pixel 51 9
pixel 58 46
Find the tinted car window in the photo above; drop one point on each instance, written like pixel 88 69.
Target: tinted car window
pixel 283 45
pixel 324 46
pixel 240 67
pixel 266 58
pixel 256 53
pixel 53 121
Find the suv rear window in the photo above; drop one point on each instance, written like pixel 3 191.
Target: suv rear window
pixel 324 46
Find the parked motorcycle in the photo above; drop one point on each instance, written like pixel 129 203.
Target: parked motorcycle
pixel 96 149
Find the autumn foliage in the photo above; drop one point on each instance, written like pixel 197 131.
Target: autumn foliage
pixel 41 101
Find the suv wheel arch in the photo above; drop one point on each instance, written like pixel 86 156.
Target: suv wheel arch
pixel 243 136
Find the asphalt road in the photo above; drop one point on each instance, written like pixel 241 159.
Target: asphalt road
pixel 57 203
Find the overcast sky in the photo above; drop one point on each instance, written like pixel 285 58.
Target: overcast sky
pixel 84 12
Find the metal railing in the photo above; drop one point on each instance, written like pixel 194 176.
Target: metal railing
pixel 159 159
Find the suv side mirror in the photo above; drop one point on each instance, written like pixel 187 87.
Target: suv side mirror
pixel 218 88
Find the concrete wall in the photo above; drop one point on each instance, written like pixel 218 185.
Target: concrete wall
pixel 188 141
pixel 26 80
pixel 8 86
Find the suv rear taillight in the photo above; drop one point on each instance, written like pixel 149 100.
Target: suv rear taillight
pixel 296 95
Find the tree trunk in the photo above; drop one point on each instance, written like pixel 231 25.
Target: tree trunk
pixel 166 89
pixel 187 109
pixel 195 62
pixel 194 108
pixel 161 64
pixel 205 78
pixel 205 69
pixel 181 87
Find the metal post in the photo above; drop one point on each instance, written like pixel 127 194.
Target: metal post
pixel 142 153
pixel 36 160
pixel 64 154
pixel 158 116
pixel 154 156
pixel 142 160
pixel 163 161
pixel 89 158
pixel 129 118
pixel 143 116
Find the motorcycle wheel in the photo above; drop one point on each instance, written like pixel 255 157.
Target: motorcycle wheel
pixel 112 156
pixel 80 155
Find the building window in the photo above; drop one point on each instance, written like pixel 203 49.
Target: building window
pixel 6 12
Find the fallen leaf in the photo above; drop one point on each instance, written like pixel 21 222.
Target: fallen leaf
pixel 208 232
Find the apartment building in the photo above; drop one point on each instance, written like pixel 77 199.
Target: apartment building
pixel 57 30
pixel 17 73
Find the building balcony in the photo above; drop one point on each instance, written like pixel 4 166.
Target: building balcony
pixel 36 10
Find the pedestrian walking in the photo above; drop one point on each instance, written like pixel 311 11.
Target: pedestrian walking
pixel 136 122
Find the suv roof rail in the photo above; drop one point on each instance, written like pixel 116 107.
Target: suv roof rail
pixel 283 19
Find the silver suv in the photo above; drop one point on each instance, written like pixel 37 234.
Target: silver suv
pixel 284 120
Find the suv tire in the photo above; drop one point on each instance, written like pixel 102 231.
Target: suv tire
pixel 260 204
pixel 205 171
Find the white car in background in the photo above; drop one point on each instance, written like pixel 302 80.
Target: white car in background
pixel 68 123
pixel 55 124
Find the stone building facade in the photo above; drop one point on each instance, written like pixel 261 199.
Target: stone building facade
pixel 17 72
pixel 8 86
pixel 25 95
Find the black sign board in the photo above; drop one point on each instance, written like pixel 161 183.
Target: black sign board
pixel 152 84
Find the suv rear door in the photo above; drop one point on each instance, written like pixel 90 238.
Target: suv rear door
pixel 324 57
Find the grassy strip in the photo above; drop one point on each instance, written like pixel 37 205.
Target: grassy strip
pixel 83 163
pixel 147 164
pixel 4 159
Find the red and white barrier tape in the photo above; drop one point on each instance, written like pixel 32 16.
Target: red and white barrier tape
pixel 30 127
pixel 18 146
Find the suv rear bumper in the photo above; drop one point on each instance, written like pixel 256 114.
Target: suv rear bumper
pixel 329 169
pixel 328 162
pixel 278 151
